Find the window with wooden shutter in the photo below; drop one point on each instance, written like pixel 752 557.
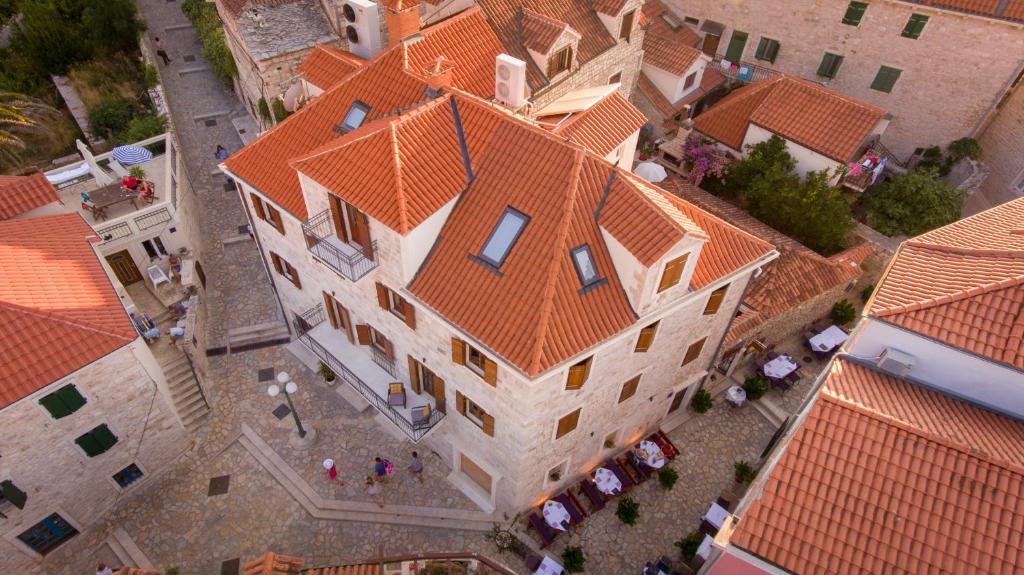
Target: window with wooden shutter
pixel 488 425
pixel 458 351
pixel 829 66
pixel 885 79
pixel 96 441
pixel 854 13
pixel 382 296
pixel 560 61
pixel 673 273
pixel 63 402
pixel 460 403
pixel 627 25
pixel 293 275
pixel 475 360
pixel 914 27
pixel 578 374
pixel 414 375
pixel 363 334
pixel 568 423
pixel 274 218
pixel 10 492
pixel 257 206
pixel 693 352
pixel 643 343
pixel 276 261
pixel 715 301
pixel 629 389
pixel 767 49
pixel 490 372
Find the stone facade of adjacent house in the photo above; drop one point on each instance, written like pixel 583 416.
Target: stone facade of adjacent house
pixel 1002 146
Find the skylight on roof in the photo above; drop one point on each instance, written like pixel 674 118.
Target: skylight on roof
pixel 354 118
pixel 583 260
pixel 504 236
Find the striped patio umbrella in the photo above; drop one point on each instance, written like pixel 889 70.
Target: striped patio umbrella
pixel 131 155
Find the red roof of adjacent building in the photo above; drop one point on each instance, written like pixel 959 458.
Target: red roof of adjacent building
pixel 20 194
pixel 326 66
pixel 58 308
pixel 609 7
pixel 885 476
pixel 822 120
pixel 962 284
pixel 604 126
pixel 710 80
pixel 539 32
pixel 671 49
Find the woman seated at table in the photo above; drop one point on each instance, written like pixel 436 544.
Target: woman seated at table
pixel 145 189
pixel 130 183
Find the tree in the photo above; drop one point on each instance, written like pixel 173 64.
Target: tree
pixel 914 203
pixel 843 312
pixel 111 25
pixel 51 36
pixel 573 559
pixel 21 115
pixel 769 156
pixel 812 211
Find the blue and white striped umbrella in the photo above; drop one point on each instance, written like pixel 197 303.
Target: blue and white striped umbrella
pixel 131 155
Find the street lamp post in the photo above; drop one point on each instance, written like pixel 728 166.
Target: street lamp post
pixel 289 387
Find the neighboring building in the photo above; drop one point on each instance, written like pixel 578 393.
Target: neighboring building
pixel 28 196
pixel 884 52
pixel 911 457
pixel 84 404
pixel 324 68
pixel 1002 151
pixel 791 293
pixel 518 285
pixel 823 129
pixel 277 564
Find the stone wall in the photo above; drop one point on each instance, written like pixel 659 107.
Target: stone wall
pixel 41 458
pixel 1002 146
pixel 952 75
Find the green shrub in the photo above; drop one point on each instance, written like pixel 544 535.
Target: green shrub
pixel 701 401
pixel 326 372
pixel 842 312
pixel 279 112
pixel 689 545
pixel 264 109
pixel 141 128
pixel 110 116
pixel 964 148
pixel 573 559
pixel 868 290
pixel 667 478
pixel 110 26
pixel 743 472
pixel 914 203
pixel 628 511
pixel 756 386
pixel 152 78
pixel 137 172
pixel 208 25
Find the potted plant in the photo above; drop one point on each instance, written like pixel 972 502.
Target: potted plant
pixel 609 443
pixel 843 312
pixel 327 373
pixel 689 545
pixel 667 478
pixel 554 476
pixel 628 511
pixel 573 559
pixel 646 151
pixel 756 386
pixel 743 472
pixel 702 401
pixel 137 172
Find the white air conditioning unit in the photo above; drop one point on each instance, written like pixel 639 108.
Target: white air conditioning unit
pixel 896 362
pixel 360 25
pixel 510 81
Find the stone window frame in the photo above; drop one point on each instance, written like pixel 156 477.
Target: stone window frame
pixel 86 428
pixel 562 467
pixel 134 484
pixel 54 387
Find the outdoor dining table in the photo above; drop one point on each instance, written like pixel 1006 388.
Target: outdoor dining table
pixel 716 515
pixel 607 482
pixel 654 457
pixel 549 566
pixel 780 367
pixel 829 339
pixel 556 515
pixel 110 195
pixel 736 395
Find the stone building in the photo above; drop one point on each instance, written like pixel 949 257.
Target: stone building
pixel 504 295
pixel 84 403
pixel 1002 149
pixel 894 54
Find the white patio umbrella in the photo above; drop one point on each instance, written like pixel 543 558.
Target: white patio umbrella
pixel 102 177
pixel 651 172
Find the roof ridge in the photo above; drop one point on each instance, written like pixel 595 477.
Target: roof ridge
pixel 403 213
pixel 54 318
pixel 834 93
pixel 959 250
pixel 641 189
pixel 946 299
pixel 551 20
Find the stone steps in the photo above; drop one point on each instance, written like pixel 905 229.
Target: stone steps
pixel 186 395
pixel 257 336
pixel 127 551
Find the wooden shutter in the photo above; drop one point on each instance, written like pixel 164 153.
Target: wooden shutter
pixel 915 25
pixel 414 375
pixel 389 349
pixel 257 205
pixel 830 65
pixel 88 444
pixel 886 79
pixel 460 403
pixel 104 437
pixel 693 352
pixel 854 13
pixel 332 312
pixel 439 393
pixel 346 322
pixel 578 374
pixel 11 493
pixel 70 397
pixel 295 275
pixel 55 406
pixel 339 221
pixel 489 424
pixel 629 389
pixel 673 272
pixel 382 297
pixel 458 351
pixel 490 372
pixel 567 423
pixel 410 316
pixel 276 260
pixel 274 217
pixel 363 334
pixel 643 343
pixel 715 301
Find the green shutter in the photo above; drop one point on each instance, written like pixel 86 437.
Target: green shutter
pixel 915 25
pixel 886 79
pixel 854 13
pixel 767 49
pixel 830 65
pixel 88 444
pixel 11 493
pixel 737 43
pixel 104 437
pixel 97 441
pixel 55 406
pixel 71 397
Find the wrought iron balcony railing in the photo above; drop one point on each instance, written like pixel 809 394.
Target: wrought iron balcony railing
pixel 351 264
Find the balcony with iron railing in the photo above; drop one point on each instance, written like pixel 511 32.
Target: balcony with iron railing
pixel 364 373
pixel 346 260
pixel 860 176
pixel 742 71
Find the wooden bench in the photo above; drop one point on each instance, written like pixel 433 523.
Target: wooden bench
pixel 624 478
pixel 547 536
pixel 572 505
pixel 591 492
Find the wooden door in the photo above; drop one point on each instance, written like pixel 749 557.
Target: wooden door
pixel 710 46
pixel 473 471
pixel 337 215
pixel 734 53
pixel 124 267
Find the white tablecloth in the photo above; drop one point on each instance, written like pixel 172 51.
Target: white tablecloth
pixel 736 395
pixel 549 566
pixel 780 367
pixel 655 458
pixel 828 339
pixel 705 548
pixel 606 481
pixel 555 514
pixel 716 515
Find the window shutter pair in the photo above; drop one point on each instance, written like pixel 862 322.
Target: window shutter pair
pixel 281 266
pixel 829 66
pixel 629 389
pixel 11 493
pixel 854 13
pixel 715 301
pixel 915 25
pixel 673 273
pixel 408 313
pixel 693 352
pixel 63 402
pixel 643 343
pixel 886 79
pixel 767 49
pixel 97 441
pixel 568 423
pixel 578 374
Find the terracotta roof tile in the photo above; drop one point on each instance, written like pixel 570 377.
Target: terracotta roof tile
pixel 710 80
pixel 20 194
pixel 540 32
pixel 273 564
pixel 884 476
pixel 57 298
pixel 326 66
pixel 609 7
pixel 465 40
pixel 962 284
pixel 604 126
pixel 671 50
pixel 823 120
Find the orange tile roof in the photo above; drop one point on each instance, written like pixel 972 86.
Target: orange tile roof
pixel 609 7
pixel 540 32
pixel 326 66
pixel 884 476
pixel 605 125
pixel 671 50
pixel 273 564
pixel 360 569
pixel 962 284
pixel 710 80
pixel 386 84
pixel 20 194
pixel 822 120
pixel 56 297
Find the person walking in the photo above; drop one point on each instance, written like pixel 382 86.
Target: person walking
pixel 380 469
pixel 221 153
pixel 160 50
pixel 372 488
pixel 416 466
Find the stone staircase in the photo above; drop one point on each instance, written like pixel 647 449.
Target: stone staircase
pixel 257 336
pixel 186 394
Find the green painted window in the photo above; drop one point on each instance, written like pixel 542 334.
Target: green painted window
pixel 830 65
pixel 63 402
pixel 767 49
pixel 97 441
pixel 886 79
pixel 854 13
pixel 914 26
pixel 10 492
pixel 734 53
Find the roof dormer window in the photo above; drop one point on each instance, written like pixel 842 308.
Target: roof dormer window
pixel 504 236
pixel 357 113
pixel 583 261
pixel 560 61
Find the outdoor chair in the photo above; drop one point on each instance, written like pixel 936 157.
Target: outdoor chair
pixel 547 536
pixel 420 416
pixel 625 479
pixel 592 493
pixel 396 395
pixel 772 355
pixel 793 377
pixel 572 505
pixel 724 503
pixel 707 528
pixel 781 384
pixel 666 446
pixel 533 562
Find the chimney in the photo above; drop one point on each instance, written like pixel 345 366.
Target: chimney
pixel 402 18
pixel 439 74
